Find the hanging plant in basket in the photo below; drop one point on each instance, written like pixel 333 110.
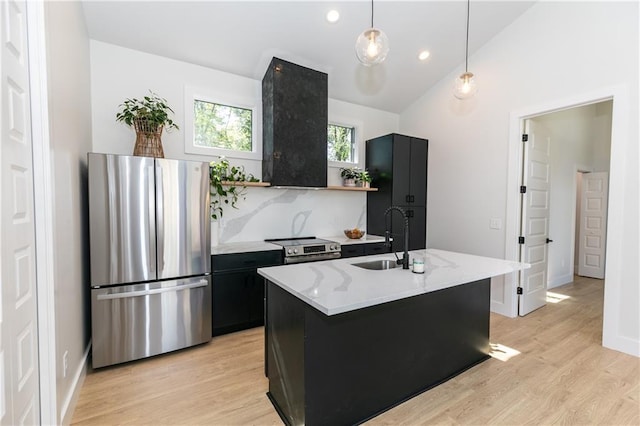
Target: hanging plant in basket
pixel 148 116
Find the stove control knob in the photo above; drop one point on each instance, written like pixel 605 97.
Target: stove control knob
pixel 289 251
pixel 295 251
pixel 332 247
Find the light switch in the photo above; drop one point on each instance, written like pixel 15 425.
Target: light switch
pixel 495 223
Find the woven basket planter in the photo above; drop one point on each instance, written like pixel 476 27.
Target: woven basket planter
pixel 148 139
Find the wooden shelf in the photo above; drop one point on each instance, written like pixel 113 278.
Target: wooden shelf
pixel 352 188
pixel 266 184
pixel 257 184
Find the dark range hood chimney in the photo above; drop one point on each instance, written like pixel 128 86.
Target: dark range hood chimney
pixel 294 125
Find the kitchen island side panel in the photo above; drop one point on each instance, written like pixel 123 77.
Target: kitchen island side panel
pixel 364 362
pixel 284 339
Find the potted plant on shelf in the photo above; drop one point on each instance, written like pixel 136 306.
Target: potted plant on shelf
pixel 148 116
pixel 223 192
pixel 349 175
pixel 364 179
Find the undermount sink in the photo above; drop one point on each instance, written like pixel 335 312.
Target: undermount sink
pixel 377 265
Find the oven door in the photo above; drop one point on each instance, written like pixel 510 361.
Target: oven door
pixel 288 260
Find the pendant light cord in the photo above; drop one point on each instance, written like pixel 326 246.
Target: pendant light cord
pixel 466 52
pixel 372 15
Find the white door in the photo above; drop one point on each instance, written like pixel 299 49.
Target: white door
pixel 19 372
pixel 536 179
pixel 593 224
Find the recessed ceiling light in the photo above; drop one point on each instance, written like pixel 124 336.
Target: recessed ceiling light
pixel 333 16
pixel 423 55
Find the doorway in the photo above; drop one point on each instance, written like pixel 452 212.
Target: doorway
pixel 556 145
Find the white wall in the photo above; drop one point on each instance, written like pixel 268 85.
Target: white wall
pixel 118 73
pixel 70 139
pixel 554 51
pixel 578 142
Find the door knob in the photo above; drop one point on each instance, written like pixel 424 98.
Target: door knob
pixel 549 241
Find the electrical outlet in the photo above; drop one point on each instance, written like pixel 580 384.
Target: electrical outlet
pixel 65 363
pixel 495 223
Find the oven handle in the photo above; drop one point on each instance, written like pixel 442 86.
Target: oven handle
pixel 289 260
pixel 201 283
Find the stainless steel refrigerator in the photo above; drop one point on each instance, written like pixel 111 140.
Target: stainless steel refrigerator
pixel 150 256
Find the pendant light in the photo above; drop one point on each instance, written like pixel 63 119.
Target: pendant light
pixel 465 85
pixel 372 45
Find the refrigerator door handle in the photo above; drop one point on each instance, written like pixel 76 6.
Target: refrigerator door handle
pixel 151 187
pixel 201 283
pixel 160 219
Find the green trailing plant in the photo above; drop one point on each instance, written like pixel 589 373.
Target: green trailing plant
pixel 223 194
pixel 152 109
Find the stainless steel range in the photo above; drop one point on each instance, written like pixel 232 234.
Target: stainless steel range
pixel 307 249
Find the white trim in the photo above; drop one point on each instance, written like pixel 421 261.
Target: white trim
pixel 611 337
pixel 71 399
pixel 193 93
pixel 43 207
pixel 512 219
pixel 577 168
pixel 503 307
pixel 359 148
pixel 558 281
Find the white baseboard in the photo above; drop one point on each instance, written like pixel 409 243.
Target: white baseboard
pixel 623 344
pixel 561 280
pixel 70 400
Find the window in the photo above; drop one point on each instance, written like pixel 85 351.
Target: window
pixel 221 127
pixel 341 145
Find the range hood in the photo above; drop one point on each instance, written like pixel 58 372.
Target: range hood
pixel 294 125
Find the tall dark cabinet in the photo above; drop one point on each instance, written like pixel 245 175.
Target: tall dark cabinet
pixel 398 168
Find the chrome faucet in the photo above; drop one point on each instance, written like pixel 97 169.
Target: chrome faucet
pixel 405 256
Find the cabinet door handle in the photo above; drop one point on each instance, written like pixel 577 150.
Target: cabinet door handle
pixel 407 198
pixel 413 198
pixel 409 213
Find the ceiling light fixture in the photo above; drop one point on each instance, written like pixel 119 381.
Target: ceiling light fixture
pixel 372 46
pixel 424 55
pixel 465 85
pixel 333 16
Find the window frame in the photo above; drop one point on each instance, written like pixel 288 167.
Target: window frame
pixel 358 142
pixel 193 94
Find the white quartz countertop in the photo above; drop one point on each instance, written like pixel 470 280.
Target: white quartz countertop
pixel 243 247
pixel 366 238
pixel 249 246
pixel 336 286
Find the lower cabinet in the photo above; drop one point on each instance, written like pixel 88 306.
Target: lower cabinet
pixel 238 290
pixel 364 249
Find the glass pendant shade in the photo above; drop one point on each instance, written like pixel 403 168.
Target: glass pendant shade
pixel 464 87
pixel 372 47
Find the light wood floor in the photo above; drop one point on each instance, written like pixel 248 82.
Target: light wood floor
pixel 562 375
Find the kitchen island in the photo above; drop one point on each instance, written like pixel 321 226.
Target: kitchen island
pixel 344 343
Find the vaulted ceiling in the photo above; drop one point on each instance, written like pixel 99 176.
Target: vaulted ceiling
pixel 241 37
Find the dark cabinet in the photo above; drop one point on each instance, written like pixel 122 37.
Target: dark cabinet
pixel 375 248
pixel 364 249
pixel 351 250
pixel 398 168
pixel 238 290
